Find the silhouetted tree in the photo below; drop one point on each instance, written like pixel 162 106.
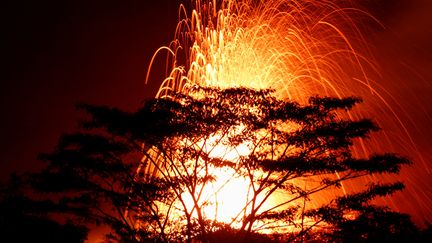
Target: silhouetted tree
pixel 145 173
pixel 93 179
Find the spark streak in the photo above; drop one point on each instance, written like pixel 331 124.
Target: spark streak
pixel 300 48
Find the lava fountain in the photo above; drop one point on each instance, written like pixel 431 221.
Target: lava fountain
pixel 299 48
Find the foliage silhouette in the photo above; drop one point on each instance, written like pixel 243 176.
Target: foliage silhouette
pixel 145 173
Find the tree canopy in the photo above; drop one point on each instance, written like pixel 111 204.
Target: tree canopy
pixel 157 174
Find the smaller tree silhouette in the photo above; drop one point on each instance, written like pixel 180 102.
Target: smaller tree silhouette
pixel 91 178
pixel 147 173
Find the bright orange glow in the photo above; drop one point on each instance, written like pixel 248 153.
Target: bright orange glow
pixel 226 197
pixel 294 47
pixel 299 48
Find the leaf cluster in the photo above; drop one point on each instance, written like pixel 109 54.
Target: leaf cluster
pixel 144 173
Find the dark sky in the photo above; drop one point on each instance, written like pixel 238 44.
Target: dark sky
pixel 58 53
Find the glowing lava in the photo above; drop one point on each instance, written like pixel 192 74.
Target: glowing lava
pixel 299 48
pixel 295 47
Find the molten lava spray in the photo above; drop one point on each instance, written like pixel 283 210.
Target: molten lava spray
pixel 299 48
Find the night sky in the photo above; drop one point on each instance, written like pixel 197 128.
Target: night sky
pixel 58 53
